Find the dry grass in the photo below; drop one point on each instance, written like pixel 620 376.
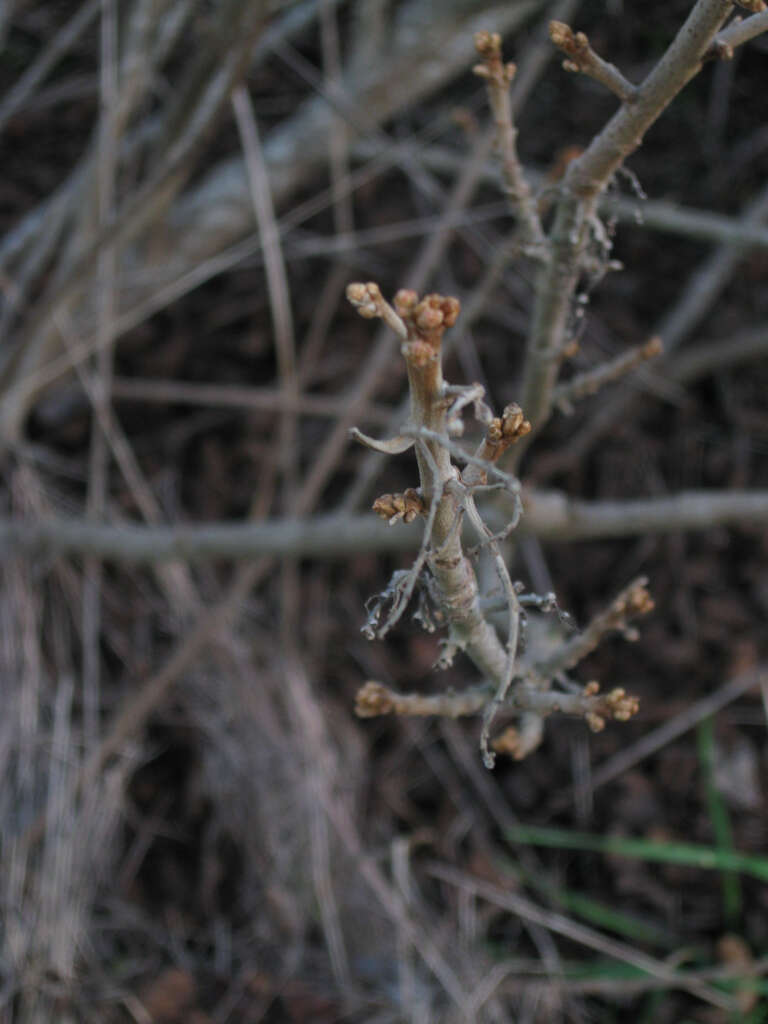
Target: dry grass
pixel 193 825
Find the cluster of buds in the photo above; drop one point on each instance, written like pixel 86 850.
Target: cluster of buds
pixel 574 44
pixel 501 432
pixel 372 700
pixel 416 321
pixel 504 430
pixel 633 601
pixel 366 298
pixel 616 704
pixel 510 743
pixel 426 319
pixel 405 506
pixel 488 46
pixel 370 303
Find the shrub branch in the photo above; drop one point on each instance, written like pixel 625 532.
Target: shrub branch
pixel 445 496
pixel 585 179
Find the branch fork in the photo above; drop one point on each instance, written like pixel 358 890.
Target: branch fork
pixel 445 498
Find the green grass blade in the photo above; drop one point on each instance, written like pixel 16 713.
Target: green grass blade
pixel 692 855
pixel 595 912
pixel 721 820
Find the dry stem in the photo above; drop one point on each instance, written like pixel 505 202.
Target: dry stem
pixel 586 177
pixel 497 76
pixel 581 57
pixel 445 495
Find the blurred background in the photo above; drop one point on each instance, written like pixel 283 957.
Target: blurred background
pixel 194 826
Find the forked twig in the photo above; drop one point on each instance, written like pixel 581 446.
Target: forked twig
pixel 446 495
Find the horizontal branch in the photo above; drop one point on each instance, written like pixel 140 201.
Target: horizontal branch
pixel 374 699
pixel 549 515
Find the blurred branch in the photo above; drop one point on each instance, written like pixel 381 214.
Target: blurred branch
pixel 704 286
pixel 38 70
pixel 189 121
pixel 549 515
pixel 590 382
pixel 374 699
pixel 709 357
pixel 651 214
pixel 523 907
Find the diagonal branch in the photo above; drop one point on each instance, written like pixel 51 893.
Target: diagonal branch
pixel 586 177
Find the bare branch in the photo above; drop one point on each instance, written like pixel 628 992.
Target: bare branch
pixel 738 32
pixel 497 76
pixel 633 601
pixel 584 180
pixel 39 69
pixel 581 57
pixel 375 699
pixel 549 515
pixel 590 382
pixel 513 629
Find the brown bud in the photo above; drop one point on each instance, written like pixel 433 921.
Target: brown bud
pixel 513 422
pixel 405 506
pixel 404 301
pixel 595 722
pixel 560 33
pixel 488 44
pixel 426 317
pixel 366 298
pixel 451 308
pixel 373 699
pixel 653 347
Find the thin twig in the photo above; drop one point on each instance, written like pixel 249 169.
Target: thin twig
pixel 670 730
pixel 497 76
pixel 700 293
pixel 590 382
pixel 634 600
pixel 277 282
pixel 38 70
pixel 233 396
pixel 98 455
pixel 581 57
pixel 513 630
pixel 374 699
pixel 585 178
